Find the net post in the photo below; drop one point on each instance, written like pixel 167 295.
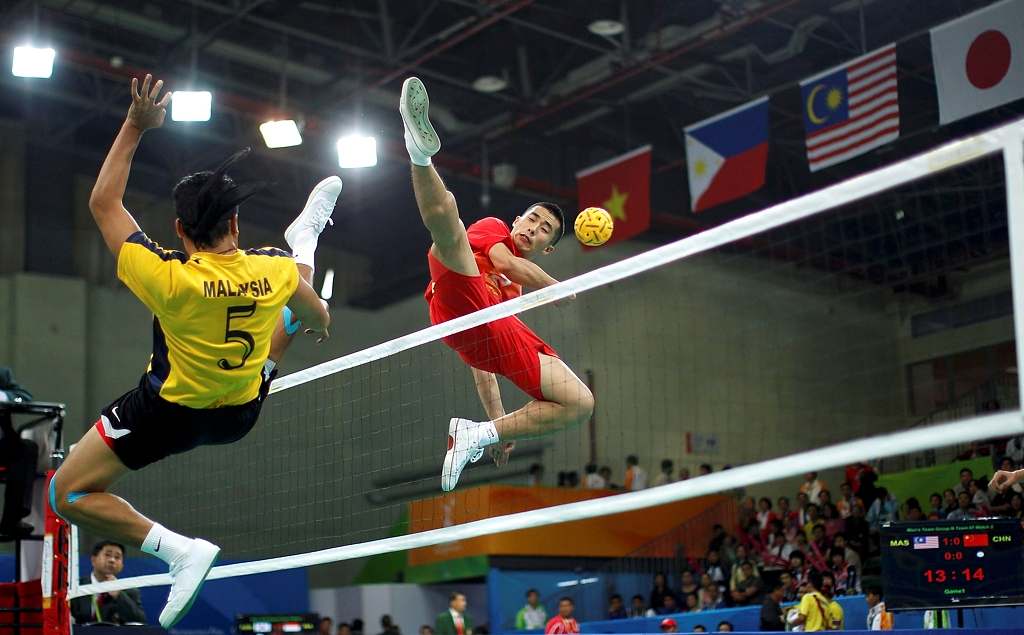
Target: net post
pixel 1013 165
pixel 54 582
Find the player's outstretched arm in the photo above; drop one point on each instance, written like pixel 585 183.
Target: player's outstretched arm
pixel 519 270
pixel 106 201
pixel 1002 479
pixel 310 309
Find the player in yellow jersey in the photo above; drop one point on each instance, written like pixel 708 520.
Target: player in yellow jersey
pixel 221 321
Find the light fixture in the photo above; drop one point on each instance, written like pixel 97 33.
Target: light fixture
pixel 33 62
pixel 191 105
pixel 327 291
pixel 355 151
pixel 489 84
pixel 606 28
pixel 281 134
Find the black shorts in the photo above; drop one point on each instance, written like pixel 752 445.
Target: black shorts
pixel 141 427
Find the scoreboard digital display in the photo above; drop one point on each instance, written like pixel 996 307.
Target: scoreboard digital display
pixel 276 624
pixel 952 564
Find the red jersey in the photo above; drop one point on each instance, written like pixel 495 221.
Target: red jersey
pixel 558 626
pixel 483 235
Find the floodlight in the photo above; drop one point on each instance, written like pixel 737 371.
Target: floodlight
pixel 355 151
pixel 33 62
pixel 191 105
pixel 281 134
pixel 327 291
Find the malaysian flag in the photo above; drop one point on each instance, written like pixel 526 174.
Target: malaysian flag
pixel 851 109
pixel 926 542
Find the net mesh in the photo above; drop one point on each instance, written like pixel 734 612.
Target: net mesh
pixel 777 342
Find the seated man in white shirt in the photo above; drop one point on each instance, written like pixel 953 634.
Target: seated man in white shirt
pixel 115 607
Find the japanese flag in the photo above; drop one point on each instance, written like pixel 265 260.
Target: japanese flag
pixel 979 60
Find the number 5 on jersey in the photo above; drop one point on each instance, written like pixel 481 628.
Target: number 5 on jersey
pixel 241 337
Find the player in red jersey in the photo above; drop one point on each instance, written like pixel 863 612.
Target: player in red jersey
pixel 477 268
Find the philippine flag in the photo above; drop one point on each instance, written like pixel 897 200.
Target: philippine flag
pixel 727 154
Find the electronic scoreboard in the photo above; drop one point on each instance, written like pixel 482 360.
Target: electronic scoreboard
pixel 277 624
pixel 945 564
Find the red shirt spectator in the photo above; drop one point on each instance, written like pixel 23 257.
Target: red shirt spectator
pixel 563 623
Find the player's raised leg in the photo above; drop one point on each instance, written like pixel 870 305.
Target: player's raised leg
pixel 78 493
pixel 436 204
pixel 302 236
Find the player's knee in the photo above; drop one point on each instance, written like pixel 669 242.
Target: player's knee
pixel 584 404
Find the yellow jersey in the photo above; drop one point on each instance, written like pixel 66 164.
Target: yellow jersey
pixel 815 608
pixel 213 317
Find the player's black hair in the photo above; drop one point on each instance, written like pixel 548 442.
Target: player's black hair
pixel 101 545
pixel 557 211
pixel 772 587
pixel 814 577
pixel 874 589
pixel 632 460
pixel 205 202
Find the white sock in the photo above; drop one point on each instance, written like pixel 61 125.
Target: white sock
pixel 488 433
pixel 165 544
pixel 304 250
pixel 415 155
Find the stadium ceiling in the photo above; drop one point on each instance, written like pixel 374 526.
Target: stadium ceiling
pixel 566 97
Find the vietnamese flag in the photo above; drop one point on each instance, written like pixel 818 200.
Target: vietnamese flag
pixel 975 540
pixel 623 187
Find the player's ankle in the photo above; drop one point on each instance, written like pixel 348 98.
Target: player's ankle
pixel 165 544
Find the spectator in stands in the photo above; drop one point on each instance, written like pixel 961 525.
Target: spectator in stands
pixel 717 537
pixel 669 606
pixel 849 554
pixel 912 510
pixel 937 511
pixel 593 480
pixel 736 573
pixel 774 527
pixel 848 500
pixel 1016 506
pixel 668 625
pixel 535 476
pixel 844 573
pixel 616 608
pixel 19 457
pixel 572 479
pixel 660 591
pixel 684 474
pixel 533 615
pixel 878 618
pixel 325 626
pixel 606 473
pixel 716 570
pixel 783 508
pixel 112 607
pixel 828 584
pixel 777 557
pixel 725 626
pixel 813 487
pixel 885 508
pixel 688 583
pixel 700 628
pixel 789 528
pixel 387 625
pixel 748 511
pixel 345 628
pixel 750 589
pixel 705 468
pixel 800 542
pixel 788 585
pixel 357 626
pixel 771 608
pixel 825 498
pixel 802 502
pixel 833 523
pixel 949 502
pixel 564 623
pixel 665 476
pixel 562 479
pixel 426 629
pixel 966 476
pixel 690 603
pixel 798 568
pixel 712 600
pixel 820 542
pixel 636 477
pixel 858 532
pixel 814 519
pixel 454 621
pixel 965 511
pixel 979 495
pixel 637 608
pixel 765 515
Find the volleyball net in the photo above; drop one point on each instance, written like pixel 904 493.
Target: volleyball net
pixel 850 324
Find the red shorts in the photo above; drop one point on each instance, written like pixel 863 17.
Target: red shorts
pixel 506 346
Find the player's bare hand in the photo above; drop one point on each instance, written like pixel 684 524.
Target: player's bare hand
pixel 500 453
pixel 566 301
pixel 324 335
pixel 146 112
pixel 1002 480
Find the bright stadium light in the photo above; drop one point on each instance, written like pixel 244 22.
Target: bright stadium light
pixel 33 62
pixel 355 151
pixel 281 134
pixel 191 105
pixel 327 291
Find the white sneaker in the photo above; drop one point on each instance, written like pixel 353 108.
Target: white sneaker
pixel 187 577
pixel 414 105
pixel 317 212
pixel 463 447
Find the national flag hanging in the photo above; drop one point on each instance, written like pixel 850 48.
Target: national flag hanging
pixel 623 187
pixel 975 540
pixel 851 109
pixel 926 542
pixel 726 155
pixel 979 60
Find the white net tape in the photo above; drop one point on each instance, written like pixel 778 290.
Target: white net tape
pixel 1008 139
